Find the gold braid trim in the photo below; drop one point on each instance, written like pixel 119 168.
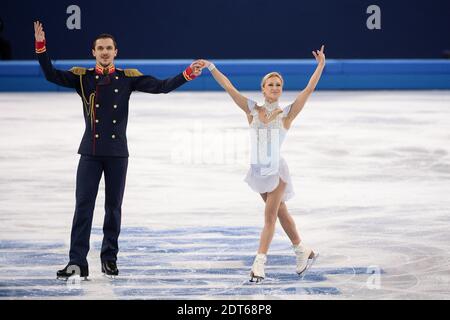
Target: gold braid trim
pixel 88 106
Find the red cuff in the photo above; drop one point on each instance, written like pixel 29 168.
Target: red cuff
pixel 189 74
pixel 40 46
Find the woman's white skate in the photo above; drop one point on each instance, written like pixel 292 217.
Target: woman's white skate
pixel 257 274
pixel 305 258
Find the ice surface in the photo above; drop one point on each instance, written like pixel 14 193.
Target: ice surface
pixel 371 171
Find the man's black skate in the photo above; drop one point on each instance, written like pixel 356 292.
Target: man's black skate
pixel 72 269
pixel 109 268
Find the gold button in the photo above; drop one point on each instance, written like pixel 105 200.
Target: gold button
pixel 96 120
pixel 117 77
pixel 115 106
pixel 96 136
pixel 116 90
pixel 96 77
pixel 113 136
pixel 114 121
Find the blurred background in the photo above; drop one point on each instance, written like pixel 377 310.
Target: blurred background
pixel 232 29
pixel 395 44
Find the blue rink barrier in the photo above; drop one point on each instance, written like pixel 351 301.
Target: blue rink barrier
pixel 246 74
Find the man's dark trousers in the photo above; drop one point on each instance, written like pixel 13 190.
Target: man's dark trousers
pixel 89 173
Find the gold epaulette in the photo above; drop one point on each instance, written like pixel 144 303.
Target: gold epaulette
pixel 132 73
pixel 79 71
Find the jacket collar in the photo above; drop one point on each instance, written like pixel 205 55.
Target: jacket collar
pixel 104 71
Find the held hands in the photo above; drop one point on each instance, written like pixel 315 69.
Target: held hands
pixel 206 64
pixel 194 70
pixel 197 67
pixel 320 56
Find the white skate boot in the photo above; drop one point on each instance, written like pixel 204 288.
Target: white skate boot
pixel 305 257
pixel 257 274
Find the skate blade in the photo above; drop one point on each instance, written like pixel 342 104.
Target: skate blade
pixel 112 277
pixel 309 264
pixel 255 280
pixel 67 278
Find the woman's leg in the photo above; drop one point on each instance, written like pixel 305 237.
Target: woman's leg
pixel 273 201
pixel 287 222
pixel 303 254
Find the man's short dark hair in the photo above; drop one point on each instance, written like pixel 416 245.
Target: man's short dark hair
pixel 104 36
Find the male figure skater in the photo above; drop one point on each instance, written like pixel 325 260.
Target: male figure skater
pixel 104 91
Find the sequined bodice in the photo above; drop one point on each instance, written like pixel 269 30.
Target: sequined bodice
pixel 266 139
pixel 277 123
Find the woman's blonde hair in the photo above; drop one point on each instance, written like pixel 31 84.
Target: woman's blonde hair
pixel 271 75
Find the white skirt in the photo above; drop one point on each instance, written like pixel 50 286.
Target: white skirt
pixel 263 184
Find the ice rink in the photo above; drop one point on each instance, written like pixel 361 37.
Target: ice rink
pixel 371 172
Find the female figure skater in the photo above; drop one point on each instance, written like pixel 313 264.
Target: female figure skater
pixel 269 173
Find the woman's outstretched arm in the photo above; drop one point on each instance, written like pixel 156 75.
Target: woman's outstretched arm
pixel 303 96
pixel 225 83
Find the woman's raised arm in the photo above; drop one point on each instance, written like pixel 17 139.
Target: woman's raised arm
pixel 303 96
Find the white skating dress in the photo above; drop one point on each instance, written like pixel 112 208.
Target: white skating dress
pixel 266 164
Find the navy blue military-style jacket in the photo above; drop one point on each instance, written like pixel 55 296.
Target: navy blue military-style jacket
pixel 105 93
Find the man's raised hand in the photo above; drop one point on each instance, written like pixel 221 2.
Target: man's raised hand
pixel 39 33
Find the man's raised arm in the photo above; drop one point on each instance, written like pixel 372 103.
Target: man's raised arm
pixel 63 78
